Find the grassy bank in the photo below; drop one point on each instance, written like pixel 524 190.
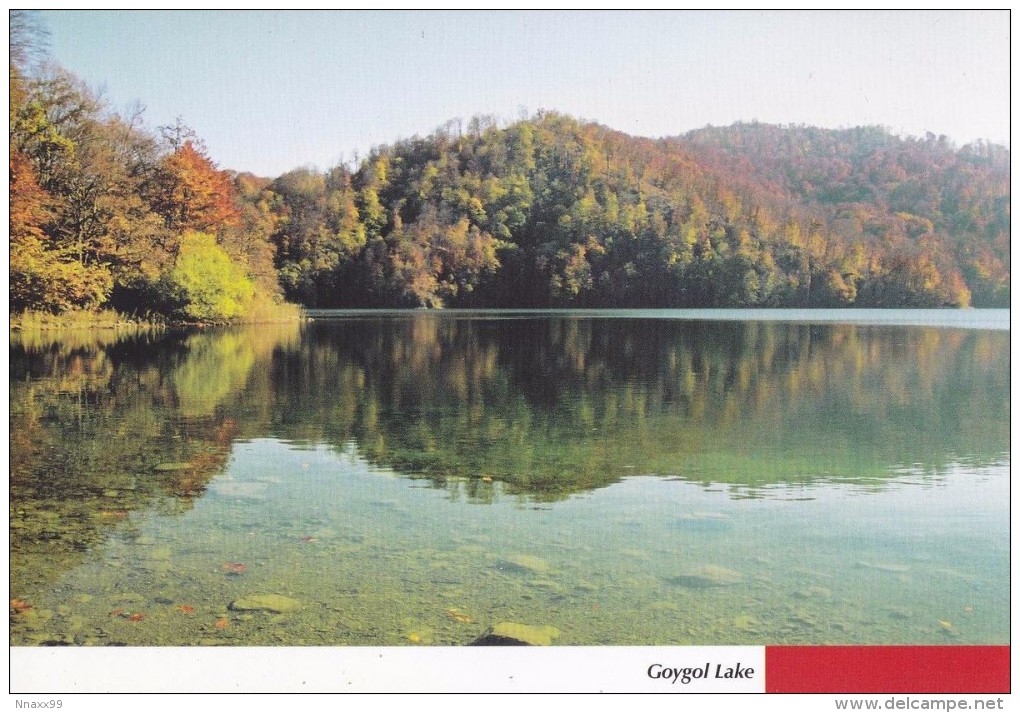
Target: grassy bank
pixel 262 312
pixel 83 319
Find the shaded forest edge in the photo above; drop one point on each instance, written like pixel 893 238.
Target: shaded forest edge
pixel 107 214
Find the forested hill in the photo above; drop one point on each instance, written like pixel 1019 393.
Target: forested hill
pixel 553 211
pixel 548 211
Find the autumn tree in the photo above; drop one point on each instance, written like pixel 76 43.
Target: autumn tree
pixel 190 193
pixel 99 208
pixel 41 275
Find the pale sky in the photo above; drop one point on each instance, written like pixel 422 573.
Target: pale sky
pixel 269 91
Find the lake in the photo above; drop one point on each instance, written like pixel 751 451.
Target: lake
pixel 628 477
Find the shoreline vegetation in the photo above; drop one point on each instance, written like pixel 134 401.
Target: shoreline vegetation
pixel 108 319
pixel 108 216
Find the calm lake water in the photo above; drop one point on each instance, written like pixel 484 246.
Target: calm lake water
pixel 415 478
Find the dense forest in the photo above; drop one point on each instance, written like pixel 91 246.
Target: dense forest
pixel 543 211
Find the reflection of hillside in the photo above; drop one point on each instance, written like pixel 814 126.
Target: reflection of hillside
pixel 103 429
pixel 548 406
pixel 552 406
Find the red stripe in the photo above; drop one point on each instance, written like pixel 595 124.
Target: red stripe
pixel 887 669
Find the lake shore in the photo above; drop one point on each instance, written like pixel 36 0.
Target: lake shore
pixel 112 320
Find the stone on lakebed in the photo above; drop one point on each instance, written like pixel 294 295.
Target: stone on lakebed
pixel 706 576
pixel 276 603
pixel 512 634
pixel 524 564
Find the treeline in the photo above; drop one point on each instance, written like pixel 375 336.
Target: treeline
pixel 547 211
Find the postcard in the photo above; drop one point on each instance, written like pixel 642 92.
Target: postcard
pixel 510 352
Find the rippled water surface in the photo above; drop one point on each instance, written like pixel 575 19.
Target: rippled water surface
pixel 415 478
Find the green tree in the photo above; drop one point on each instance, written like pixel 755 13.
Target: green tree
pixel 205 283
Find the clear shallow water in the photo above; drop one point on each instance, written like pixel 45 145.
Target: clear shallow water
pixel 415 478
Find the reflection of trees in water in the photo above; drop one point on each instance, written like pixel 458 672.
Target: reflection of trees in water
pixel 560 404
pixel 103 428
pixel 543 407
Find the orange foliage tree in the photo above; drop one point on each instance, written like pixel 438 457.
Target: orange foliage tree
pixel 191 194
pixel 41 275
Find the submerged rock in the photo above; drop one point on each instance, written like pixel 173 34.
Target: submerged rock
pixel 814 593
pixel 458 615
pixel 706 576
pixel 701 515
pixel 239 489
pixel 890 567
pixel 746 622
pixel 491 639
pixel 703 521
pixel 525 563
pixel 512 634
pixel 276 603
pixel 804 617
pixel 547 584
pixel 900 613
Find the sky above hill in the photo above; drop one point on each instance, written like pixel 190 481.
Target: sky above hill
pixel 269 91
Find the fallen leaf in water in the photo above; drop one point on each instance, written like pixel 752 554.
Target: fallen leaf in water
pixel 235 567
pixel 308 538
pixel 136 617
pixel 969 610
pixel 117 612
pixel 458 616
pixel 222 623
pixel 414 638
pixel 20 605
pixel 185 609
pixel 486 479
pixel 947 625
pixel 114 514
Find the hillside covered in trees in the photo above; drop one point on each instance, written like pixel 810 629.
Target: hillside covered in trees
pixel 553 211
pixel 544 211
